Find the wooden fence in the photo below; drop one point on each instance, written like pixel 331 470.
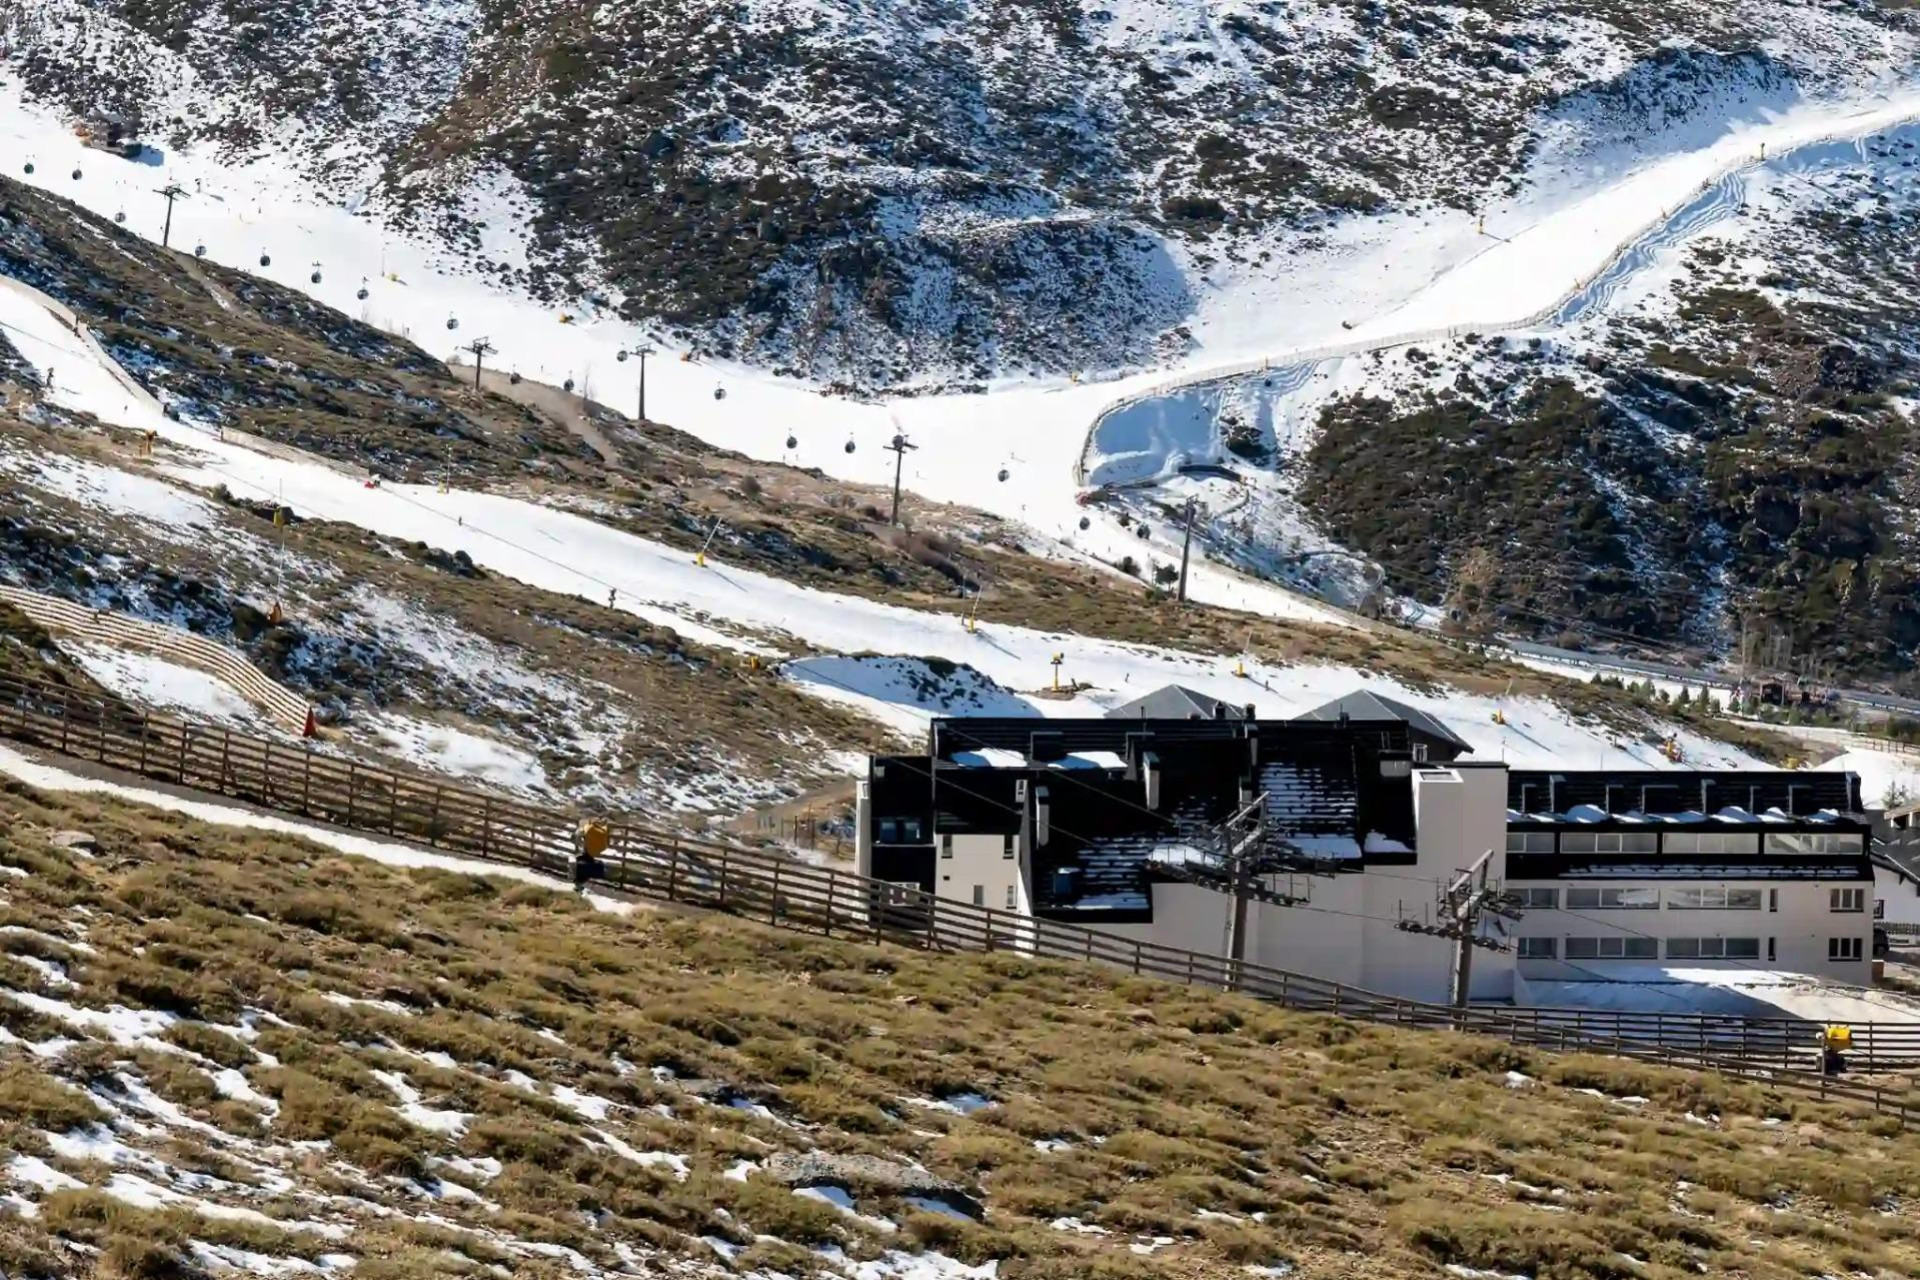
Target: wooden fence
pixel 656 862
pixel 286 707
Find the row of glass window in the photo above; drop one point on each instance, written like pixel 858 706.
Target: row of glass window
pixel 1688 842
pixel 1704 898
pixel 1677 948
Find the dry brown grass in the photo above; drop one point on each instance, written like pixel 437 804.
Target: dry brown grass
pixel 1341 1149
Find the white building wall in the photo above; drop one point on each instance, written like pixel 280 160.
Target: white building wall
pixel 1347 932
pixel 863 828
pixel 1318 941
pixel 963 863
pixel 1792 936
pixel 1900 896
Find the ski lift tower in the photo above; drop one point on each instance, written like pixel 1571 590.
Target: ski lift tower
pixel 171 192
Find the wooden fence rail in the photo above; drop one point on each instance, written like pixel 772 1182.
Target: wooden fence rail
pixel 660 863
pixel 286 707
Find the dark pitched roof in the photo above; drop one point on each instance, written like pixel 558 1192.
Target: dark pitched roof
pixel 1364 706
pixel 1177 702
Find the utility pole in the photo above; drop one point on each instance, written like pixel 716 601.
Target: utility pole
pixel 172 191
pixel 481 349
pixel 643 353
pixel 1240 835
pixel 1461 905
pixel 1466 896
pixel 900 446
pixel 1186 545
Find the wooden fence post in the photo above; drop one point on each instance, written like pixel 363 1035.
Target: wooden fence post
pixel 833 880
pixel 673 873
pixel 773 903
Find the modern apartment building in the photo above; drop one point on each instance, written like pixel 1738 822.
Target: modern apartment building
pixel 1137 824
pixel 1621 874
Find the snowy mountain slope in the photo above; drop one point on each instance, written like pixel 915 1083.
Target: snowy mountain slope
pixel 719 604
pixel 1031 433
pixel 949 190
pixel 1717 427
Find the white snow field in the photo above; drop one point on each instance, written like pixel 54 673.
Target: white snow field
pixel 1387 277
pixel 154 681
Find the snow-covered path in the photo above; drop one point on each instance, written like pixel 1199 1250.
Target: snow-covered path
pixel 1556 255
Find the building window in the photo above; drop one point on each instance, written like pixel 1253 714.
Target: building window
pixel 946 846
pixel 979 895
pixel 1713 948
pixel 1535 899
pixel 1615 948
pixel 1713 898
pixel 1879 908
pixel 1710 842
pixel 1419 753
pixel 1006 846
pixel 1772 952
pixel 1529 842
pixel 1608 842
pixel 901 831
pixel 1815 842
pixel 1843 948
pixel 1538 948
pixel 889 831
pixel 1011 901
pixel 1847 900
pixel 1773 900
pixel 1612 899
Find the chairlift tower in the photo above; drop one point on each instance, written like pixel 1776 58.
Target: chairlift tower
pixel 1460 907
pixel 900 446
pixel 171 192
pixel 481 349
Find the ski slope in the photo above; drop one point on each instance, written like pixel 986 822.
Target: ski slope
pixel 751 612
pixel 1385 277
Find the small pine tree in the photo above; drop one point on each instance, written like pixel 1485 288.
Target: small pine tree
pixel 1683 700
